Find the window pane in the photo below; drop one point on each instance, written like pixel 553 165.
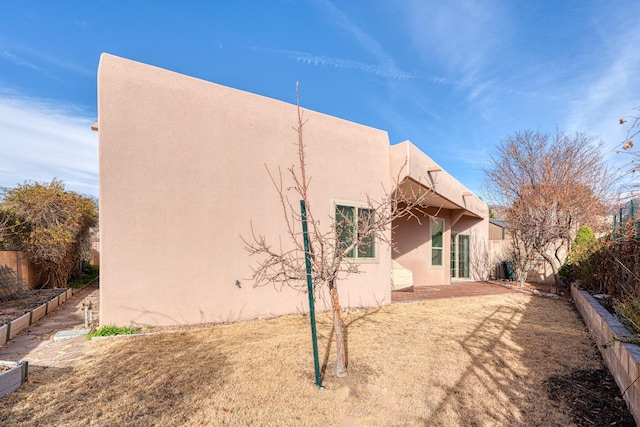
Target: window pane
pixel 437 231
pixel 366 248
pixel 452 261
pixel 345 229
pixel 436 257
pixel 437 242
pixel 463 259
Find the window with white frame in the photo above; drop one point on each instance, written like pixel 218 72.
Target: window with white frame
pixel 437 242
pixel 351 221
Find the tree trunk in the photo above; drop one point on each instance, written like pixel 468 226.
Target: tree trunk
pixel 341 359
pixel 554 270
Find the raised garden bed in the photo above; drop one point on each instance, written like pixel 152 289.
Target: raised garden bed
pixel 18 314
pixel 12 375
pixel 622 358
pixel 16 307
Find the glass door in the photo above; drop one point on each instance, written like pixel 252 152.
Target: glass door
pixel 460 256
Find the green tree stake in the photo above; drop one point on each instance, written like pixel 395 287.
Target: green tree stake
pixel 312 311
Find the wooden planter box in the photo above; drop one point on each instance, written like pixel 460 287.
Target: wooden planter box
pixel 52 305
pixel 4 329
pixel 38 313
pixel 20 324
pixel 12 379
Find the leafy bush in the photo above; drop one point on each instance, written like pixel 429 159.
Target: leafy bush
pixel 579 265
pixel 89 272
pixel 111 330
pixel 50 225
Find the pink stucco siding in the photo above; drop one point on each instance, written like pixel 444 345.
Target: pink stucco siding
pixel 183 177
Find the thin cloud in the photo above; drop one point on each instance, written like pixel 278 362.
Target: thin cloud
pixel 42 140
pixel 17 60
pixel 610 90
pixel 364 39
pixel 462 36
pixel 368 43
pixel 28 57
pixel 346 64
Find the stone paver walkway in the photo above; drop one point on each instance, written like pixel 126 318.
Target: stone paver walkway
pixel 36 344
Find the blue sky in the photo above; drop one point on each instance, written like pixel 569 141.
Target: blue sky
pixel 454 77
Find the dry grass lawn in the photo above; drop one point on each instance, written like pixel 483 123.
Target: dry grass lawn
pixel 452 362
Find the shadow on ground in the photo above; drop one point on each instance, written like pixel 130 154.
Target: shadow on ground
pixel 145 378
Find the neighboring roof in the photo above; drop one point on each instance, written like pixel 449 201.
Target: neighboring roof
pixel 499 222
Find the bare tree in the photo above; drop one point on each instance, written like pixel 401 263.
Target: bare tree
pixel 550 184
pixel 521 256
pixel 330 248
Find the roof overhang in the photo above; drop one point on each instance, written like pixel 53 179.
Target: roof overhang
pixel 414 169
pixel 412 190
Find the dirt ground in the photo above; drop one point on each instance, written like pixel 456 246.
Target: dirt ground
pixel 29 300
pixel 506 360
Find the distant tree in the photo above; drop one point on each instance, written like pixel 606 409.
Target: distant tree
pixel 50 225
pixel 330 247
pixel 549 184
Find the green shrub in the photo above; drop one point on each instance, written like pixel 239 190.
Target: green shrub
pixel 89 272
pixel 579 264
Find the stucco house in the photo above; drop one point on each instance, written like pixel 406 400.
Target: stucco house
pixel 182 178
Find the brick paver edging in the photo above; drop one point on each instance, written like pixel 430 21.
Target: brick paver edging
pixel 622 359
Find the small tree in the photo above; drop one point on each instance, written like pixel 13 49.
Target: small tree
pixel 520 254
pixel 330 248
pixel 50 225
pixel 550 184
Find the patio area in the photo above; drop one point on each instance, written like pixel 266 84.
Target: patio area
pixel 454 290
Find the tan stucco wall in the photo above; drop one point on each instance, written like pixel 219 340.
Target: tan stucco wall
pixel 413 246
pixel 182 177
